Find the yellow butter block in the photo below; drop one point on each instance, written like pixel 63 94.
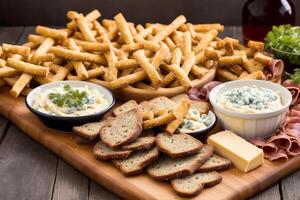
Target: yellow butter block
pixel 244 155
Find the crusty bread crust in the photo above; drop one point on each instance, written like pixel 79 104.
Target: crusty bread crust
pixel 209 166
pixel 84 132
pixel 141 143
pixel 101 154
pixel 195 162
pixel 125 107
pixel 130 137
pixel 178 140
pixel 198 180
pixel 147 158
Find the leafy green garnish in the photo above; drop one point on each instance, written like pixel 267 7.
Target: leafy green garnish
pixel 296 76
pixel 284 42
pixel 71 98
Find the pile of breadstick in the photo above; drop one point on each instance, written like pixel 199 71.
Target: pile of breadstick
pixel 116 54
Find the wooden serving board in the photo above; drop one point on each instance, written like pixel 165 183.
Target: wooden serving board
pixel 235 184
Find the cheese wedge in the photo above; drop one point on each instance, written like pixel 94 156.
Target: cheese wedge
pixel 244 155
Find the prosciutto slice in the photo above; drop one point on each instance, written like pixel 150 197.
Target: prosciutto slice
pixel 274 70
pixel 201 94
pixel 285 141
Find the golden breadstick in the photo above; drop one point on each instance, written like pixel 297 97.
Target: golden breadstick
pixel 85 29
pixel 2 63
pixel 199 71
pixel 210 53
pixel 190 28
pixel 259 46
pixel 16 49
pixel 243 74
pixel 90 17
pixel 180 76
pixel 44 57
pixel 99 28
pixel 230 60
pixel 127 80
pixel 159 56
pixel 208 27
pixel 61 74
pixel 132 47
pixel 148 68
pixel 95 46
pixel 170 43
pixel 92 73
pixel 188 62
pixel 253 66
pixel 27 67
pixel 112 71
pixel 200 57
pixel 228 45
pixel 42 49
pixel 259 75
pixel 7 72
pixel 145 32
pixel 51 32
pixel 36 38
pixel 158 121
pixel 126 64
pixel 166 31
pixel 160 112
pixel 180 113
pixel 142 85
pixel 206 39
pixel 148 115
pixel 77 56
pixel 186 44
pixel 260 57
pixel 226 74
pixel 236 69
pixel 150 45
pixel 124 29
pixel 176 60
pixel 20 84
pixel 12 81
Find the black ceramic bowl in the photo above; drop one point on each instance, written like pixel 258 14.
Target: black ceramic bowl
pixel 66 123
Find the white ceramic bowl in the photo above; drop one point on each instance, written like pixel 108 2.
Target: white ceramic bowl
pixel 250 125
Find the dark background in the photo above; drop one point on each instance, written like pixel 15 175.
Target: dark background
pixel 53 12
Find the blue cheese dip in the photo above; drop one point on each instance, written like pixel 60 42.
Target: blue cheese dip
pixel 250 100
pixel 193 121
pixel 70 101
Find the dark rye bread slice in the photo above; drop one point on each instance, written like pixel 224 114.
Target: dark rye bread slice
pixel 122 130
pixel 135 163
pixel 125 107
pixel 215 163
pixel 166 168
pixel 103 152
pixel 89 130
pixel 141 143
pixel 177 145
pixel 192 185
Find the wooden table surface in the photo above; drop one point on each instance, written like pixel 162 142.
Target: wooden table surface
pixel 28 171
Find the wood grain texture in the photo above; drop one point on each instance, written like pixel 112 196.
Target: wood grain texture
pixel 10 34
pixel 69 183
pixel 99 193
pixel 290 187
pixel 27 170
pixel 271 193
pixel 235 184
pixel 3 127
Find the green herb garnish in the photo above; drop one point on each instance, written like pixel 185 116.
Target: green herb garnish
pixel 71 98
pixel 296 76
pixel 284 42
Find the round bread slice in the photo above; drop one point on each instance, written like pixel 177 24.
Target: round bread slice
pixel 103 152
pixel 215 163
pixel 122 130
pixel 166 168
pixel 192 185
pixel 136 162
pixel 141 143
pixel 177 145
pixel 125 107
